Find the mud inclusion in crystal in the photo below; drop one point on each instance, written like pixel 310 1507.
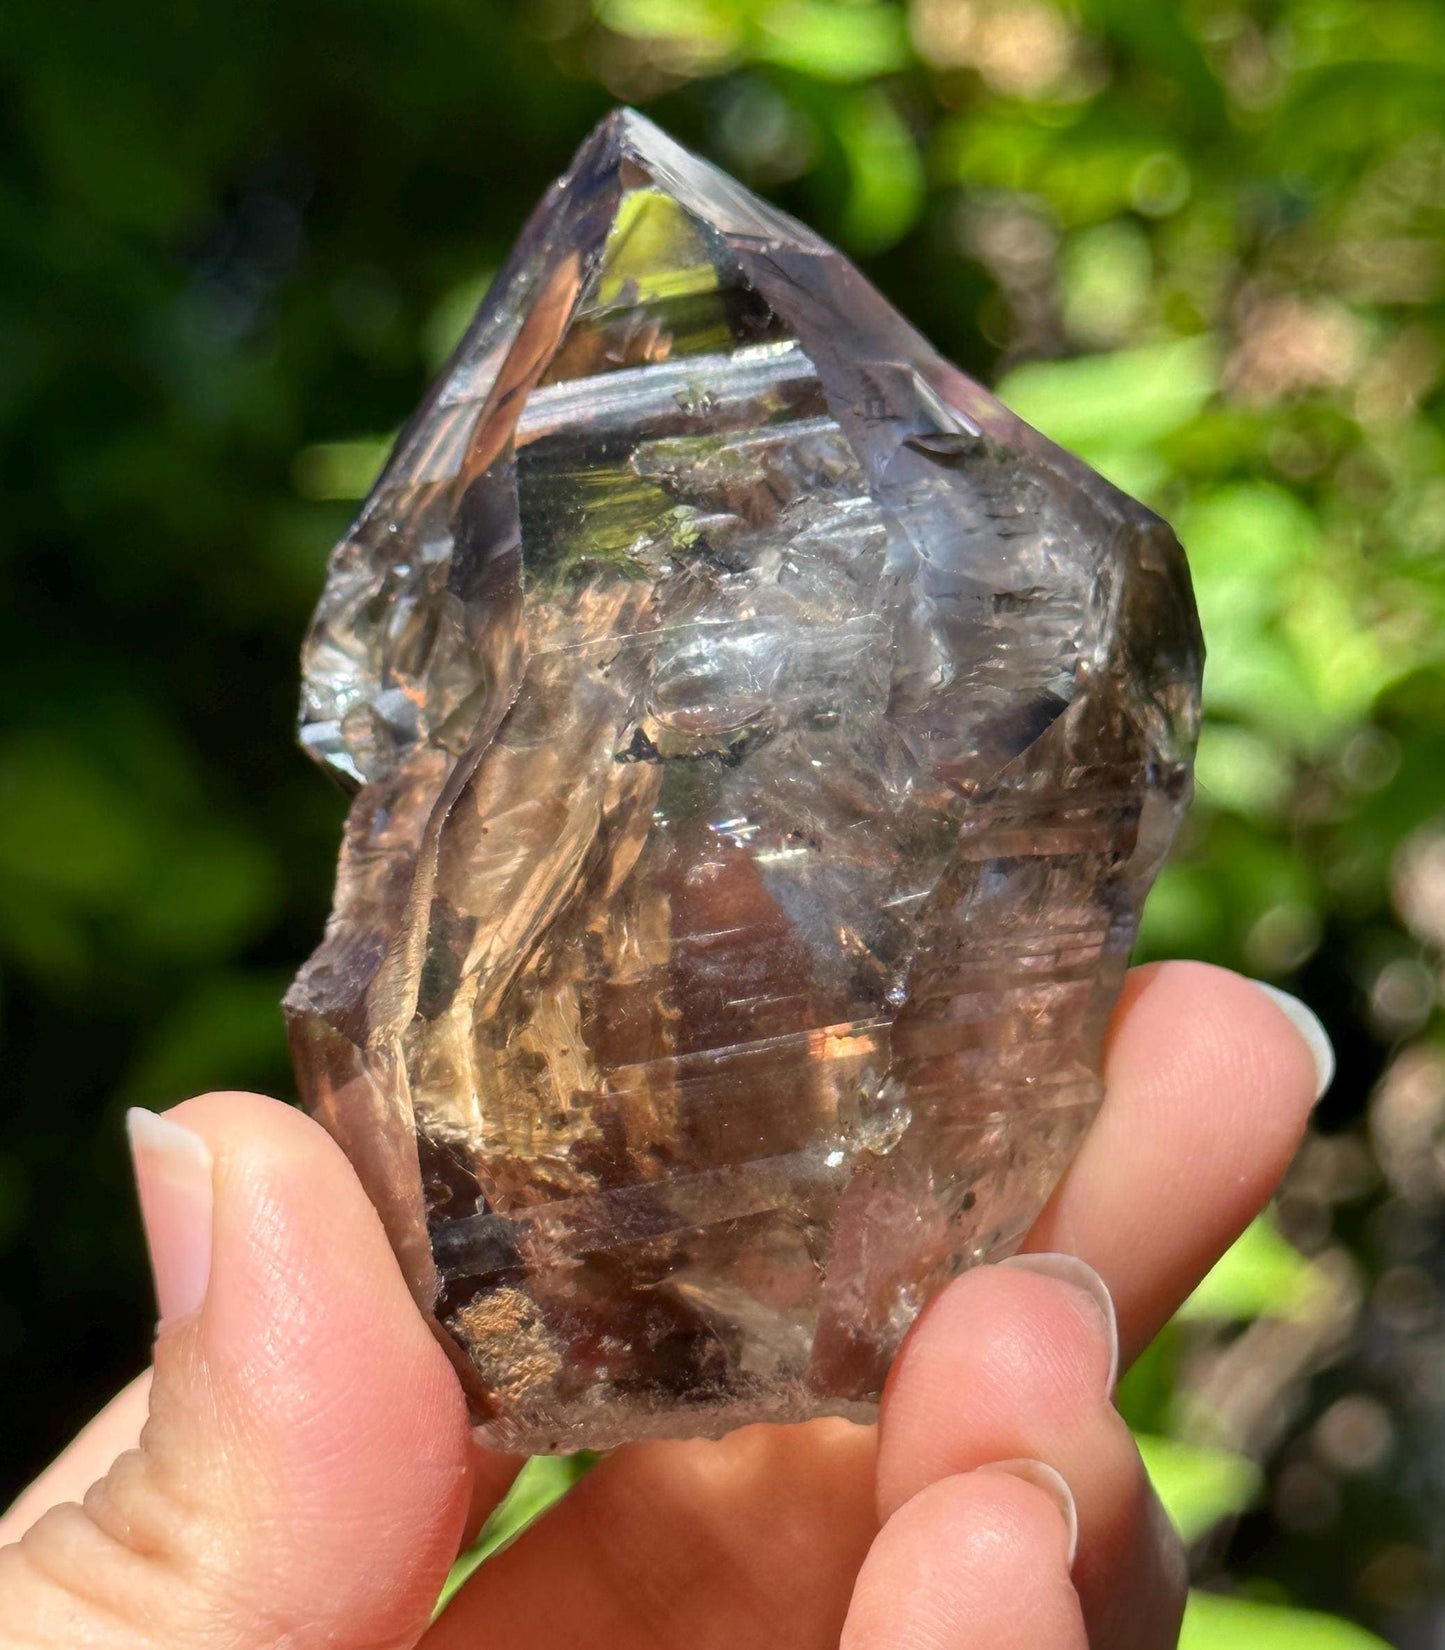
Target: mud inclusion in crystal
pixel 764 744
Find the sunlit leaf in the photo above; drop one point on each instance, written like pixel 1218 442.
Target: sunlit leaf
pixel 1140 471
pixel 1105 272
pixel 831 39
pixel 1086 173
pixel 1272 615
pixel 1212 1622
pixel 1198 1487
pixel 1240 769
pixel 1346 661
pixel 1114 402
pixel 1259 1275
pixel 711 24
pixel 1182 916
pixel 885 193
pixel 1253 530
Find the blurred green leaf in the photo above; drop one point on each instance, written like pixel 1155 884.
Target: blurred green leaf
pixel 210 894
pixel 828 40
pixel 833 39
pixel 1145 1393
pixel 1346 663
pixel 65 824
pixel 1198 1487
pixel 1161 37
pixel 1085 166
pixel 1287 651
pixel 1259 1275
pixel 1212 1622
pixel 1240 769
pixel 330 470
pixel 1112 403
pixel 885 192
pixel 43 937
pixel 1183 916
pixel 1242 537
pixel 1106 273
pixel 452 315
pixel 714 24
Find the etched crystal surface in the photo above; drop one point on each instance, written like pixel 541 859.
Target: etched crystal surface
pixel 764 745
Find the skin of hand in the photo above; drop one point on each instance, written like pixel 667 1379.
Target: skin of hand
pixel 297 1470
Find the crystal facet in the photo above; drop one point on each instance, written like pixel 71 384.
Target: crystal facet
pixel 764 745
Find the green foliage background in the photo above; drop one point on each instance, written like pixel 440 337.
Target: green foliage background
pixel 1201 243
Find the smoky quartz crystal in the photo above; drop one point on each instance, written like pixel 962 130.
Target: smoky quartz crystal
pixel 763 743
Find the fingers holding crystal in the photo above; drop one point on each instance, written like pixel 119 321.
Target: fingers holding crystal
pixel 303 1470
pixel 1209 1080
pixel 1016 1363
pixel 1208 1085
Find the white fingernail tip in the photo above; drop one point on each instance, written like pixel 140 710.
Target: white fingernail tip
pixel 1053 1484
pixel 1078 1275
pixel 1307 1023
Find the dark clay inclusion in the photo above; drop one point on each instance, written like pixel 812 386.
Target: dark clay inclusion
pixel 763 744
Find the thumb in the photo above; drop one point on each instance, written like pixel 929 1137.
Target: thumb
pixel 302 1475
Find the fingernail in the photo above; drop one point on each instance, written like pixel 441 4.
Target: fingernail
pixel 173 1178
pixel 1307 1023
pixel 1080 1276
pixel 1053 1484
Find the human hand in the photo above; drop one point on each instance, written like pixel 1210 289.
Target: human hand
pixel 306 1474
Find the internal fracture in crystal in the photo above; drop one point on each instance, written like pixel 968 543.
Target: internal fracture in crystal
pixel 763 743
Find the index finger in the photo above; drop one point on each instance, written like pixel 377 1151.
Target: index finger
pixel 1209 1081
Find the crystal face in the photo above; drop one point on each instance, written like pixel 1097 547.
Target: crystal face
pixel 763 745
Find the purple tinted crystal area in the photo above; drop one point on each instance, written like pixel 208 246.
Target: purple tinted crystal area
pixel 764 743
